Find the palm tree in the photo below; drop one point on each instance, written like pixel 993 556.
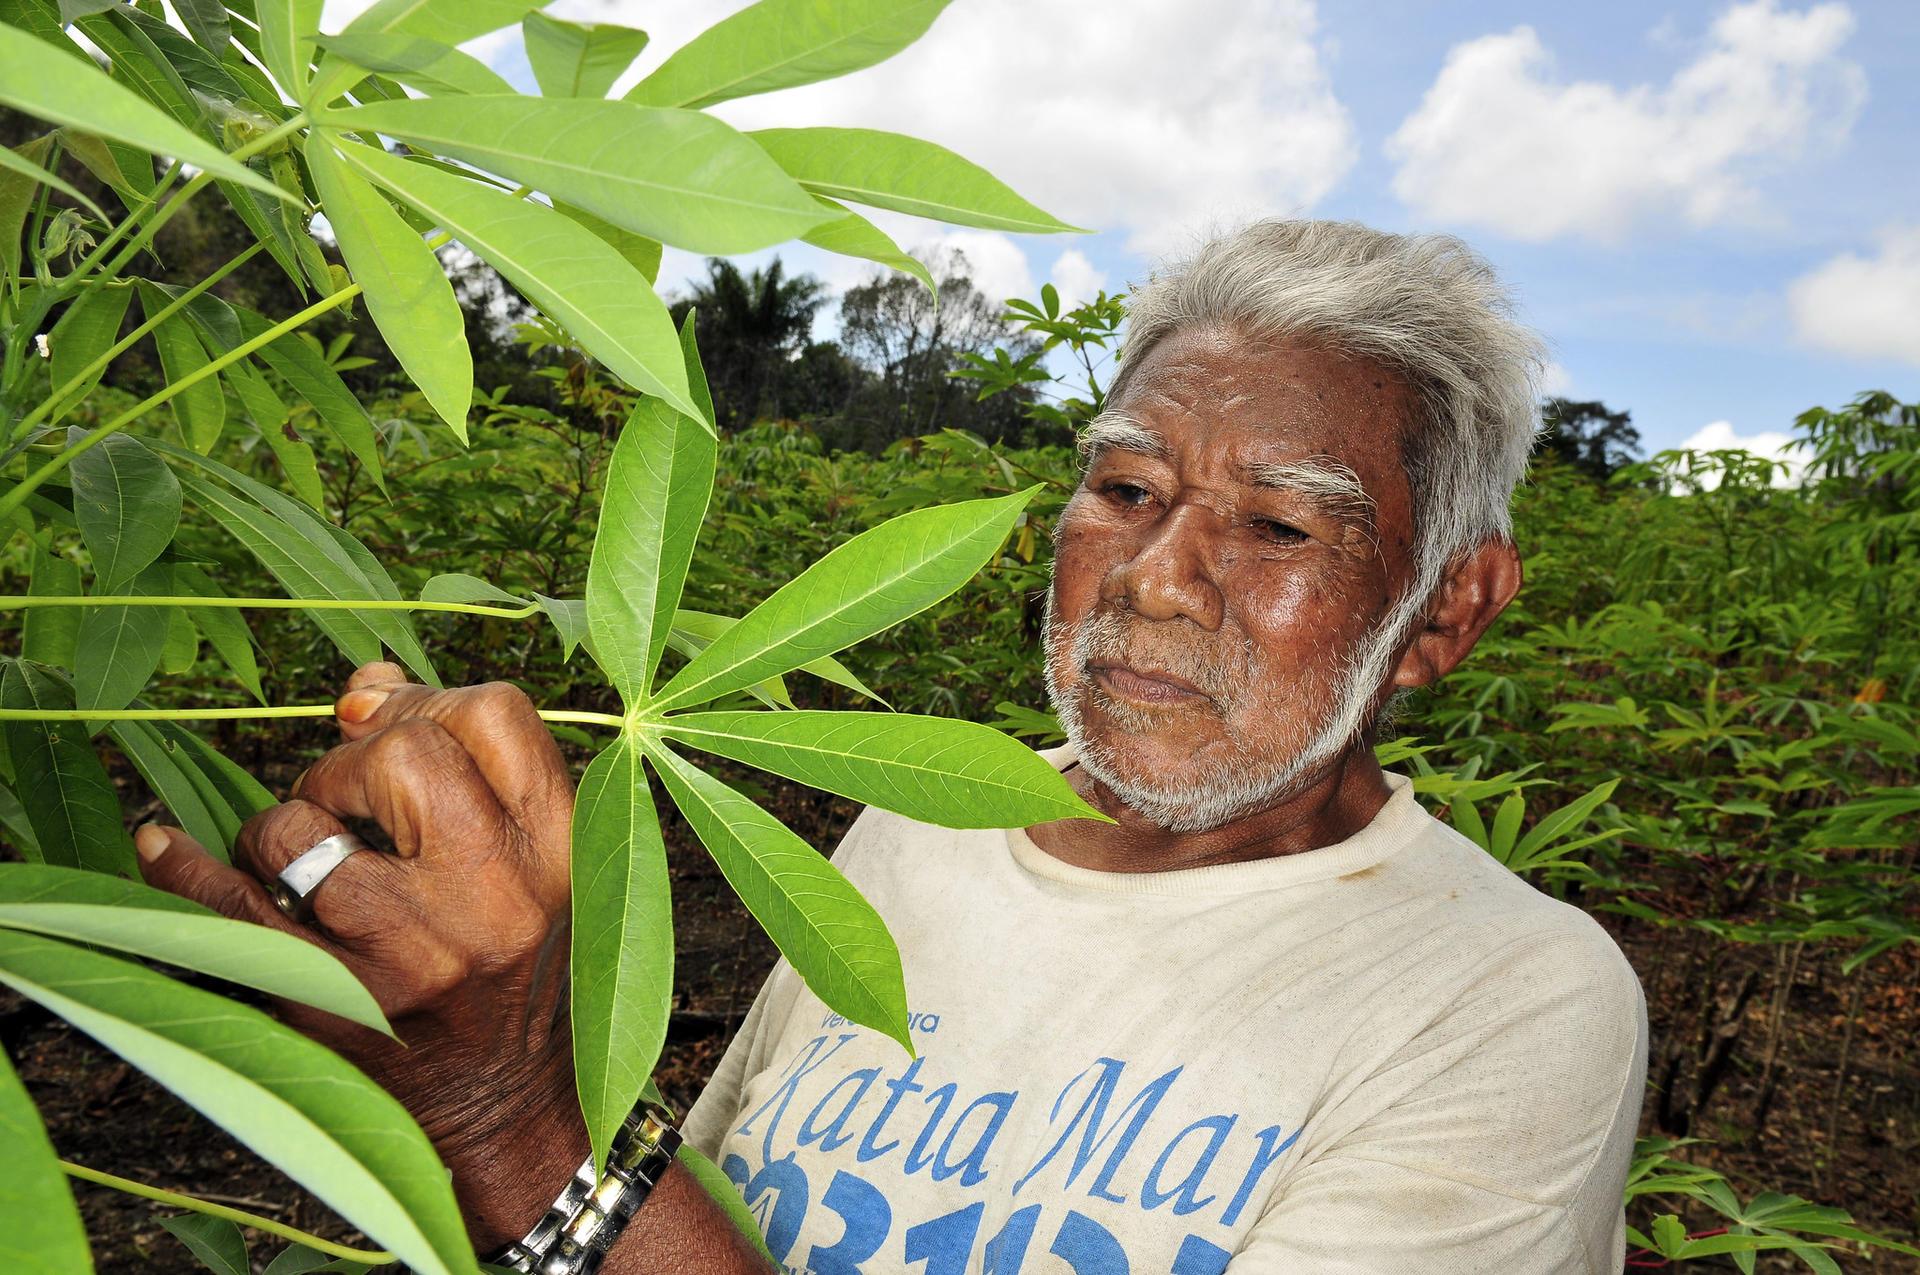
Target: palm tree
pixel 750 326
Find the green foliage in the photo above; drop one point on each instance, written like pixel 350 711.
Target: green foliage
pixel 128 518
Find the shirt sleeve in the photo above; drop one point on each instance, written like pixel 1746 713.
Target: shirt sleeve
pixel 1497 1139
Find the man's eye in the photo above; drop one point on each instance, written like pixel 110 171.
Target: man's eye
pixel 1128 493
pixel 1278 532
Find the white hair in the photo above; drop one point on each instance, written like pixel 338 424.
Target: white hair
pixel 1425 307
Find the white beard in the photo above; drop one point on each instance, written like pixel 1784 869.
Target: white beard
pixel 1244 784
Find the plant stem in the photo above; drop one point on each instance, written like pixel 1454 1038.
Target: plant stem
pixel 248 714
pixel 373 1257
pixel 24 602
pixel 125 343
pixel 15 498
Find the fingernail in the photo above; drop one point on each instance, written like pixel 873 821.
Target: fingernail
pixel 358 706
pixel 298 779
pixel 151 841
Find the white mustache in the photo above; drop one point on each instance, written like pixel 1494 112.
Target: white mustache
pixel 1106 635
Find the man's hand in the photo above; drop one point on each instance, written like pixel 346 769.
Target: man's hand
pixel 460 935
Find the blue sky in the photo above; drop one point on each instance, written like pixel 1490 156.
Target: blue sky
pixel 1712 211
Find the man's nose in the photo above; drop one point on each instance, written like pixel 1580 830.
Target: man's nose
pixel 1170 574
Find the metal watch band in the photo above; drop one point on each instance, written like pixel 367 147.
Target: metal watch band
pixel 589 1214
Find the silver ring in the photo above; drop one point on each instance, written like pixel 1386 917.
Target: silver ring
pixel 293 888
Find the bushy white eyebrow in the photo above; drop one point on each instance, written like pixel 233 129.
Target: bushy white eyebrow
pixel 1325 480
pixel 1122 430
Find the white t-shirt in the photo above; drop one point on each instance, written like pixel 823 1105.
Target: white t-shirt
pixel 1384 1055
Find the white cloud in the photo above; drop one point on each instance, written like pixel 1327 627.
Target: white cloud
pixel 1075 278
pixel 1142 116
pixel 1500 141
pixel 995 263
pixel 1866 307
pixel 1772 444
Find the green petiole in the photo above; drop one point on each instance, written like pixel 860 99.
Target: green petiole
pixel 373 1257
pixel 26 602
pixel 582 716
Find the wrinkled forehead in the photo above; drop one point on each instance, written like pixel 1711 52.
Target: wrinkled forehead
pixel 1210 391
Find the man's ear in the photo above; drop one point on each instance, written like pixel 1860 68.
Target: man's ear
pixel 1473 594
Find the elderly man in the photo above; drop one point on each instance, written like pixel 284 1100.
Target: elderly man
pixel 1273 1018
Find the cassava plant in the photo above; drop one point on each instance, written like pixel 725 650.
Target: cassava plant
pixel 570 197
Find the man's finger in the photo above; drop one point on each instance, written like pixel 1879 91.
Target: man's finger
pixel 359 899
pixel 170 860
pixel 376 673
pixel 417 782
pixel 497 725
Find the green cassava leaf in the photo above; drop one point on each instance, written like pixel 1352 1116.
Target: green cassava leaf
pixel 310 376
pixel 458 586
pixel 656 497
pixel 578 59
pixel 71 804
pixel 559 265
pixel 118 647
pixel 177 782
pixel 725 1194
pixel 127 916
pixel 956 774
pixel 222 627
pixel 20 164
pixel 777 44
pixel 887 170
pixel 642 253
pixel 43 1235
pixel 272 417
pixel 851 235
pixel 447 21
pixel 200 410
pixel 417 62
pixel 622 939
pixel 871 582
pixel 294 1102
pixel 287 28
pixel 827 932
pixel 240 791
pixel 127 504
pixel 49 634
pixel 677 176
pixel 206 21
pixel 67 91
pixel 694 631
pixel 85 330
pixel 406 288
pixel 18 190
pixel 214 1240
pixel 569 616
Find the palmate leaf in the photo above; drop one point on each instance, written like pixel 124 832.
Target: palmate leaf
pixel 407 290
pixel 957 774
pixel 622 939
pixel 681 177
pixel 287 29
pixel 888 170
pixel 270 415
pixel 417 62
pixel 871 582
pixel 559 265
pixel 43 1234
pixel 49 634
pixel 127 916
pixel 187 794
pixel 578 59
pixel 127 503
pixel 295 1103
pixel 313 379
pixel 447 21
pixel 656 496
pixel 69 91
pixel 694 631
pixel 19 163
pixel 777 44
pixel 71 803
pixel 827 932
pixel 221 626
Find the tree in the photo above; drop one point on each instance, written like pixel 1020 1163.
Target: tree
pixel 1587 437
pixel 912 344
pixel 750 327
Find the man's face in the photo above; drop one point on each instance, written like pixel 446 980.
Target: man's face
pixel 1222 574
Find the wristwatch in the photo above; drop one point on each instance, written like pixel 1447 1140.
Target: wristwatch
pixel 582 1224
